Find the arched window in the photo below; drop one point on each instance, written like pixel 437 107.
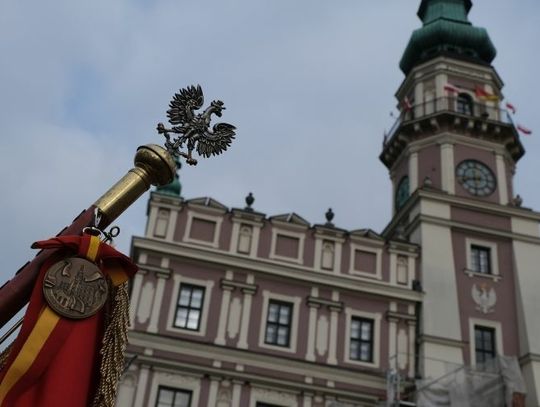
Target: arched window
pixel 464 104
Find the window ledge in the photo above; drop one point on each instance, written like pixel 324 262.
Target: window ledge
pixel 472 273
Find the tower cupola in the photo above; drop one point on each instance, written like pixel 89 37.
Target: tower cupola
pixel 446 30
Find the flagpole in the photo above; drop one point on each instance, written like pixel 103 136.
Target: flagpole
pixel 154 165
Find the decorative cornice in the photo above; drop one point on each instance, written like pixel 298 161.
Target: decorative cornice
pixel 317 302
pixel 368 378
pixel 528 358
pixel 159 271
pixel 441 341
pixel 398 316
pixel 276 268
pixel 246 288
pixel 463 203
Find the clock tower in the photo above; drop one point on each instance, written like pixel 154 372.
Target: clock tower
pixel 452 156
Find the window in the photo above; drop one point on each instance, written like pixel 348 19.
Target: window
pixel 169 397
pixel 278 323
pixel 481 259
pixel 484 345
pixel 361 344
pixel 464 104
pixel 189 307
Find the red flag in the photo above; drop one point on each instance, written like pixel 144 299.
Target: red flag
pixel 511 107
pixel 524 130
pixel 451 88
pixel 55 360
pixel 407 105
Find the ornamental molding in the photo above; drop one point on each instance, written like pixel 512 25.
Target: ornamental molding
pixel 484 297
pixel 267 266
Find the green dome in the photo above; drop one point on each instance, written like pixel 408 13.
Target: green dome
pixel 174 188
pixel 447 30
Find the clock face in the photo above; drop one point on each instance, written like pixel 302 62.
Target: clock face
pixel 476 178
pixel 402 192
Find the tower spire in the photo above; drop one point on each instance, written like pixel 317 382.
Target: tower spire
pixel 446 30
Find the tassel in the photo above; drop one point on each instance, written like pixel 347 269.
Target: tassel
pixel 112 350
pixel 4 355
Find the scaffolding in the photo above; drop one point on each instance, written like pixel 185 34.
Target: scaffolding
pixel 493 384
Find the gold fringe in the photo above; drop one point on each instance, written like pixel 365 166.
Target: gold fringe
pixel 112 349
pixel 4 355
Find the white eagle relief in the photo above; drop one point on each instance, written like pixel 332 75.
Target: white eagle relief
pixel 484 297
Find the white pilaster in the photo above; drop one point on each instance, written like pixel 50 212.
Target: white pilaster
pixel 413 171
pixel 173 219
pixel 151 224
pixel 501 179
pixel 135 295
pixel 312 327
pixel 392 334
pixel 334 312
pixel 141 386
pixel 236 394
pixel 224 311
pixel 448 181
pixel 212 393
pixel 156 305
pixel 412 339
pixel 246 312
pixel 308 399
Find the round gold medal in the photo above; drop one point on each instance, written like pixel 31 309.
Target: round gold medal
pixel 75 288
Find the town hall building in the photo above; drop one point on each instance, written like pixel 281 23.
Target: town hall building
pixel 233 307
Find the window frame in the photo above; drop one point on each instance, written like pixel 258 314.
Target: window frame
pixel 493 258
pixel 487 355
pixel 189 307
pixel 496 326
pixel 217 219
pixel 182 381
pixel 175 390
pixel 369 249
pixel 301 236
pixel 359 340
pixel 376 317
pixel 293 336
pixel 281 305
pixel 178 280
pixel 477 261
pixel 465 101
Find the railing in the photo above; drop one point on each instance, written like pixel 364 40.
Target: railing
pixel 456 105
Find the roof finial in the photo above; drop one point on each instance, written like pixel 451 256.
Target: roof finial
pixel 329 216
pixel 249 201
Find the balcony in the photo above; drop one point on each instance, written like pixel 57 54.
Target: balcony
pixel 460 115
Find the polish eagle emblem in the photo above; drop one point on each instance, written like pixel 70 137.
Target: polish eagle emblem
pixel 193 128
pixel 484 297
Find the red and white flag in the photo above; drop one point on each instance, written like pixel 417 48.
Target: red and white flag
pixel 511 107
pixel 524 130
pixel 451 88
pixel 407 105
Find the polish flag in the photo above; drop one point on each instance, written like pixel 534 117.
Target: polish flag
pixel 451 88
pixel 524 130
pixel 511 107
pixel 407 105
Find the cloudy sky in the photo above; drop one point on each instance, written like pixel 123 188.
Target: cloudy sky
pixel 309 85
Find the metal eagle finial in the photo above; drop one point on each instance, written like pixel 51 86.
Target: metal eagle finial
pixel 194 129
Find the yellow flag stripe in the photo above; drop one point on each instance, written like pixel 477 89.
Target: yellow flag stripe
pixel 30 350
pixel 45 324
pixel 93 248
